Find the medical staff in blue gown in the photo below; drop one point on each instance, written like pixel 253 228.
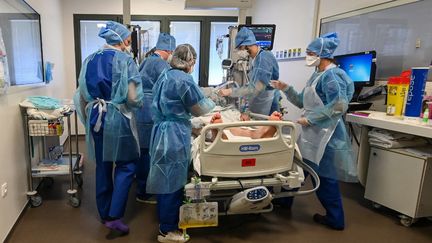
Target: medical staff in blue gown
pixel 109 89
pixel 176 97
pixel 262 97
pixel 324 142
pixel 150 70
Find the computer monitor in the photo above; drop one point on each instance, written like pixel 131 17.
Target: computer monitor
pixel 264 34
pixel 360 67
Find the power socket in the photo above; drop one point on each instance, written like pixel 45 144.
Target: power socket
pixel 4 190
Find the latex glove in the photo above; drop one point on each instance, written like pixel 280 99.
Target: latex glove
pixel 303 121
pixel 275 116
pixel 278 84
pixel 244 117
pixel 225 92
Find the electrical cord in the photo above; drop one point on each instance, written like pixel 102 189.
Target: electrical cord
pixel 353 133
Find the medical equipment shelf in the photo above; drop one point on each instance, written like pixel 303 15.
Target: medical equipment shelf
pixel 394 178
pixel 69 164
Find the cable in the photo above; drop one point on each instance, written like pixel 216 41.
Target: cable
pixel 241 185
pixel 353 133
pixel 314 175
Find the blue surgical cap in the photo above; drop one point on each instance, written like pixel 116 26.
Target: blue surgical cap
pixel 245 37
pixel 114 32
pixel 325 45
pixel 166 42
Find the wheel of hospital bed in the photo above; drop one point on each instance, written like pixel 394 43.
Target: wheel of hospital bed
pixel 35 201
pixel 74 201
pixel 407 221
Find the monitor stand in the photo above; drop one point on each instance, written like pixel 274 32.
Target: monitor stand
pixel 356 94
pixel 356 105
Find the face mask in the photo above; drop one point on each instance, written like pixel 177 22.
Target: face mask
pixel 192 68
pixel 312 61
pixel 169 58
pixel 128 49
pixel 243 54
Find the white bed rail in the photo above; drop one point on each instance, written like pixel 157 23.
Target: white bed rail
pixel 248 157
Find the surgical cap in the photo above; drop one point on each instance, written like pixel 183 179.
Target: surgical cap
pixel 325 45
pixel 245 37
pixel 114 33
pixel 166 42
pixel 183 57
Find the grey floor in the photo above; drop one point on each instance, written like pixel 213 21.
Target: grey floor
pixel 56 221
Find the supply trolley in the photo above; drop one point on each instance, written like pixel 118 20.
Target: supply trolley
pixel 45 162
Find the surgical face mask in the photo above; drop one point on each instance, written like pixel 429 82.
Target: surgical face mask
pixel 312 61
pixel 192 68
pixel 128 49
pixel 169 58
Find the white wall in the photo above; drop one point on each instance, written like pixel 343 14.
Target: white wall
pixel 294 20
pixel 13 169
pixel 334 7
pixel 294 24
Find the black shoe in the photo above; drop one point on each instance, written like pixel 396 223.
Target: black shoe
pixel 321 219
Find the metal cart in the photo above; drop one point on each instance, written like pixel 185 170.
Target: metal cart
pixel 67 165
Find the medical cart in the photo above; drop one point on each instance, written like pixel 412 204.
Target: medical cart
pixel 40 162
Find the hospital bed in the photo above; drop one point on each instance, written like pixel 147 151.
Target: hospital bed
pixel 241 175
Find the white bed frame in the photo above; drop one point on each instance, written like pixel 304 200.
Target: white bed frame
pixel 233 165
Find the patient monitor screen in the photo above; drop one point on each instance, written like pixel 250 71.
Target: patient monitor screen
pixel 264 35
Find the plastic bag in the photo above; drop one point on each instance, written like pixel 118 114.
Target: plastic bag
pixel 197 215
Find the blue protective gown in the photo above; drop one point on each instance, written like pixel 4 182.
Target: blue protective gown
pixel 150 70
pixel 335 89
pixel 263 99
pixel 105 76
pixel 176 98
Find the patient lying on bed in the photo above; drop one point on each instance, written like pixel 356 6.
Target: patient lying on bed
pixel 259 132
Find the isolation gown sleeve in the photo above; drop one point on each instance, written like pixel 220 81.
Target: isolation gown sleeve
pixel 336 91
pixel 265 68
pixel 294 97
pixel 135 90
pixel 80 105
pixel 194 99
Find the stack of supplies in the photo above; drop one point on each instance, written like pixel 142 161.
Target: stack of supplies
pixel 389 139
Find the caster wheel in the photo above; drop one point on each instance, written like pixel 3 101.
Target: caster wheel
pixel 407 221
pixel 79 180
pixel 74 201
pixel 35 201
pixel 48 181
pixel 376 205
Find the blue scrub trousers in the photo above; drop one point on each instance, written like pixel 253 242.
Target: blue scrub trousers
pixel 330 197
pixel 142 171
pixel 168 206
pixel 111 195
